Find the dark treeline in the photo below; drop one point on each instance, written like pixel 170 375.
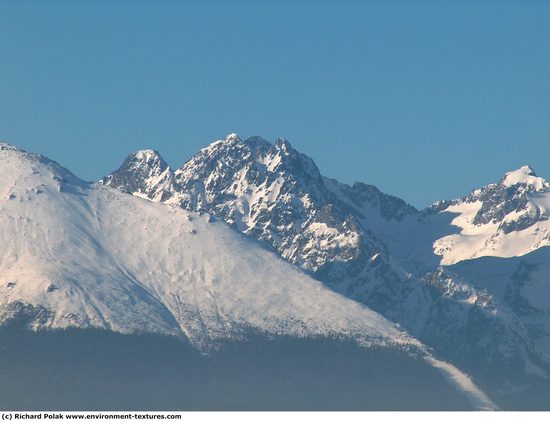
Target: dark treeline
pixel 90 370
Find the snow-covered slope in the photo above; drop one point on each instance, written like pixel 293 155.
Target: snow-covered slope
pixel 87 256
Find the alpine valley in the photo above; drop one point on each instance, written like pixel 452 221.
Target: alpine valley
pixel 247 280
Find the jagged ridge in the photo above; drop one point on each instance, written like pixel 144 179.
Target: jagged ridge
pixel 370 246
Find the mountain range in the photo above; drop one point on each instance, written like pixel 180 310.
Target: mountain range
pixel 248 236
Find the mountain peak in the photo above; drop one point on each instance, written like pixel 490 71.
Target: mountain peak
pixel 232 138
pixel 8 147
pixel 18 160
pixel 146 155
pixel 138 171
pixel 283 145
pixel 23 173
pixel 523 170
pixel 524 175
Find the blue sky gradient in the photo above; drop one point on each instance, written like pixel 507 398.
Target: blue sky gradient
pixel 424 99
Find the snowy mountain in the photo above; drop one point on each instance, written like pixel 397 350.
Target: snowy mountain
pixel 86 256
pixel 509 218
pixel 370 246
pixel 469 239
pixel 269 191
pixel 488 250
pixel 277 195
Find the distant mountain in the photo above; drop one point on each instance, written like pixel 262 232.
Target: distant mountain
pixel 499 232
pixel 88 257
pixel 509 218
pixel 373 247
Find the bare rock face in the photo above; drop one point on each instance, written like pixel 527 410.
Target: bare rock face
pixel 143 173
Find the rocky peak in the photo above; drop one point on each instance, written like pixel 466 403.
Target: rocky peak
pixel 227 164
pixel 149 157
pixel 297 164
pixel 509 202
pixel 277 194
pixel 143 173
pixel 144 161
pixel 232 137
pixel 8 147
pixel 230 152
pixel 284 146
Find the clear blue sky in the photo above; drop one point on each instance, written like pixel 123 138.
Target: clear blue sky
pixel 424 99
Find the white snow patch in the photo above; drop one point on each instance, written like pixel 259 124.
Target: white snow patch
pixel 477 398
pixel 525 175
